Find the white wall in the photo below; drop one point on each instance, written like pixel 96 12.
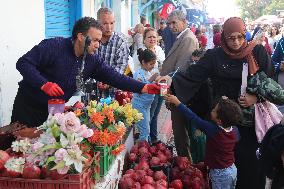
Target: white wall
pixel 22 27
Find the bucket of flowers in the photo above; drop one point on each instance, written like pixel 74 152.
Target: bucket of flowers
pixel 110 123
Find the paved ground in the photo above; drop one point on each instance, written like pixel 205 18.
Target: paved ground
pixel 164 125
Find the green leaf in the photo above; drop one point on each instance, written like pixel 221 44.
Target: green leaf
pixel 55 131
pixel 50 159
pixel 59 165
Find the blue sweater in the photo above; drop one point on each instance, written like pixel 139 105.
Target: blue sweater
pixel 54 60
pixel 278 54
pixel 220 144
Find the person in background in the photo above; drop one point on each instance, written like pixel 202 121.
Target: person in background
pixel 177 59
pixel 143 21
pixel 113 49
pixel 272 40
pixel 200 104
pixel 259 37
pixel 217 40
pixel 50 68
pixel 169 39
pixel 248 36
pixel 217 29
pixel 278 62
pixel 162 26
pixel 142 102
pixel 222 136
pixel 138 37
pixel 201 39
pixel 150 41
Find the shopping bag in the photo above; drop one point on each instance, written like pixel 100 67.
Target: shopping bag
pixel 266 115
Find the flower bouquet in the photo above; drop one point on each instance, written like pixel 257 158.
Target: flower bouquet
pixel 109 122
pixel 58 148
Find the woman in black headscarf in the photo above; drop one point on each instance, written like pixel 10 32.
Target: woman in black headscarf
pixel 224 65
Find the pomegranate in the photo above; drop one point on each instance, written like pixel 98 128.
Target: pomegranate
pixel 148 186
pixel 159 175
pixel 4 156
pixel 176 184
pixel 126 183
pixel 155 161
pixel 132 157
pixel 31 171
pixel 147 180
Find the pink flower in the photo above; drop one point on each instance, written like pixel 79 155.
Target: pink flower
pixel 85 132
pixel 60 154
pixel 36 146
pixel 69 123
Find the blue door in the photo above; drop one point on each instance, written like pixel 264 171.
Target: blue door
pixel 60 16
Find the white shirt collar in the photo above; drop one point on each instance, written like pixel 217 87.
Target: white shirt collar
pixel 227 130
pixel 182 32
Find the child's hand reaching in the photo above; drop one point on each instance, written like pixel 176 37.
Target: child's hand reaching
pixel 172 99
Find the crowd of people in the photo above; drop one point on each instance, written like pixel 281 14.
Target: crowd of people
pixel 206 85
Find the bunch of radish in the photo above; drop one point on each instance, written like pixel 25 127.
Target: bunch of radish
pixel 145 155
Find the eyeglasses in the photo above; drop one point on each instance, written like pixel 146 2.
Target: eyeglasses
pixel 234 38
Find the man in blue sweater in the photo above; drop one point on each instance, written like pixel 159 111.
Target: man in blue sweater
pixel 49 70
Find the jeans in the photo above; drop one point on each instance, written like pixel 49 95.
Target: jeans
pixel 144 124
pixel 154 112
pixel 224 178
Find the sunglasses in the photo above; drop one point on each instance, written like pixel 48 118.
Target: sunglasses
pixel 234 38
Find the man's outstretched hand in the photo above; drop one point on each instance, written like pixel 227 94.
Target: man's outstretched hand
pixel 151 89
pixel 52 89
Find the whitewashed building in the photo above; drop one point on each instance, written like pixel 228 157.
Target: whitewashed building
pixel 25 23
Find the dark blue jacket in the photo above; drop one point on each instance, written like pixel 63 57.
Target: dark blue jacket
pixel 54 60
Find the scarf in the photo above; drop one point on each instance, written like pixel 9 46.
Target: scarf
pixel 235 24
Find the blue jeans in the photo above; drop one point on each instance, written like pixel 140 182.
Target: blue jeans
pixel 144 124
pixel 154 112
pixel 224 178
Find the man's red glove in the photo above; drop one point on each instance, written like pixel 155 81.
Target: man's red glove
pixel 52 89
pixel 151 89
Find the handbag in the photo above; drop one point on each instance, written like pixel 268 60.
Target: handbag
pixel 266 113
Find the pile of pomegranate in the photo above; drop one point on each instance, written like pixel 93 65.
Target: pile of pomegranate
pixel 123 97
pixel 146 159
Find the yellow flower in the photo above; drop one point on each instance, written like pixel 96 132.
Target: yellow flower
pixel 114 105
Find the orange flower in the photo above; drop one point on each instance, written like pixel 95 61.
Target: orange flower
pixel 97 118
pixel 78 112
pixel 108 112
pixel 118 149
